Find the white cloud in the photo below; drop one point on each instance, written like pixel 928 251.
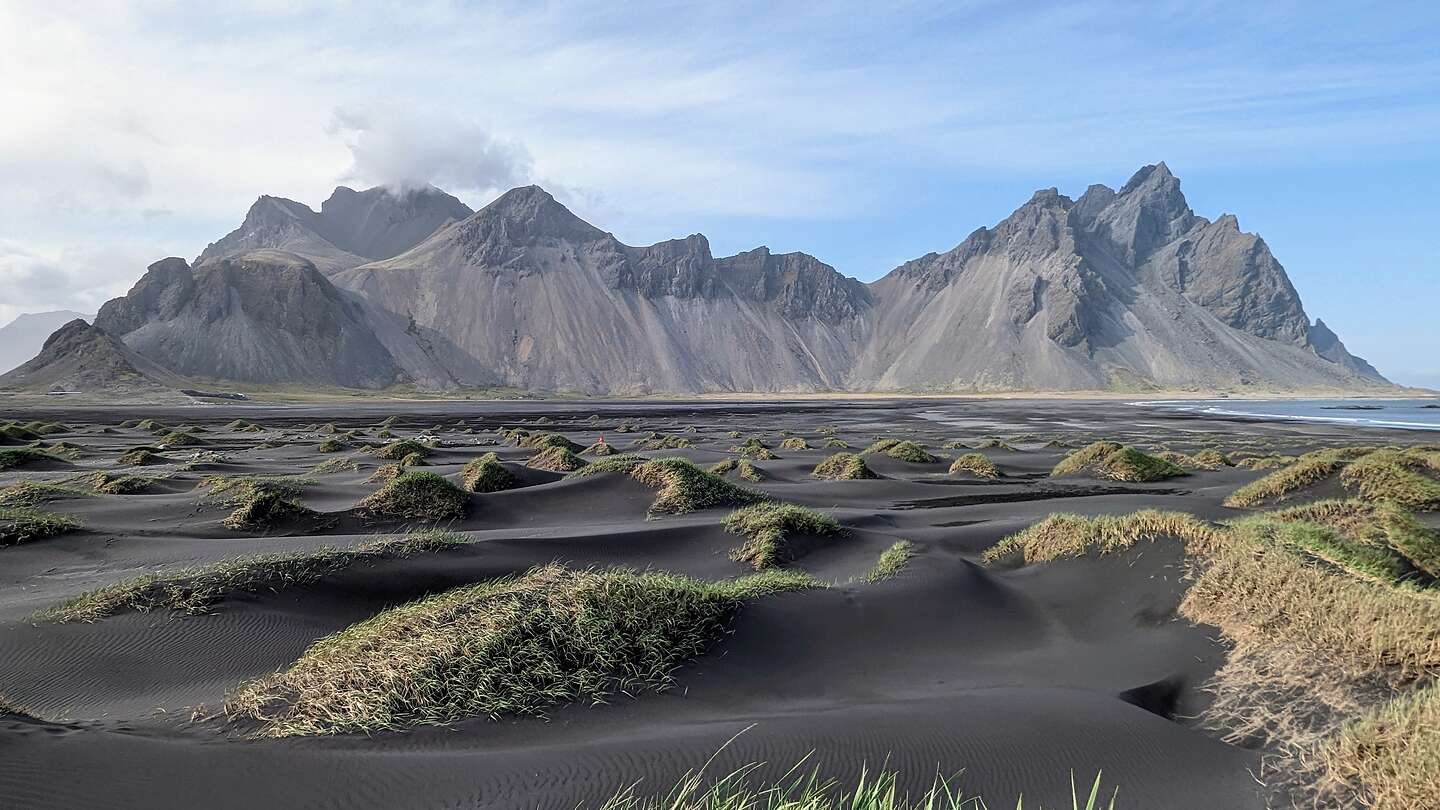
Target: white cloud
pixel 404 148
pixel 74 278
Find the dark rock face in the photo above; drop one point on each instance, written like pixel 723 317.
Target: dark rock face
pixel 84 358
pixel 1117 288
pixel 264 316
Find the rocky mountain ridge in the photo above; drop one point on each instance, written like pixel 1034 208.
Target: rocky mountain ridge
pixel 1124 288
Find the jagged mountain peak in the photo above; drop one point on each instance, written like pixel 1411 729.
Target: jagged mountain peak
pixel 84 358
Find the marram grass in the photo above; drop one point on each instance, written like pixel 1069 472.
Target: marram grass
pixel 681 486
pixel 1117 463
pixel 486 474
pixel 975 464
pixel 511 646
pixel 195 590
pixel 768 529
pixel 892 561
pixel 843 467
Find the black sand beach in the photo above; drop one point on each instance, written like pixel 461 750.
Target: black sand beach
pixel 1012 678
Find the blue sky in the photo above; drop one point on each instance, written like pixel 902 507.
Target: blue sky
pixel 864 136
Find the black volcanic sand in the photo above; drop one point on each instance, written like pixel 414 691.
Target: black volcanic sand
pixel 1015 677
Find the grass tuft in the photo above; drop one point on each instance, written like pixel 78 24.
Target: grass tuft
pixel 511 646
pixel 911 452
pixel 26 524
pixel 556 459
pixel 1061 536
pixel 1116 462
pixel 1391 756
pixel 892 561
pixel 1395 476
pixel 768 529
pixel 142 457
pixel 399 449
pixel 486 474
pixel 976 465
pixel 1306 471
pixel 34 493
pixel 417 495
pixel 15 457
pixel 843 467
pixel 195 590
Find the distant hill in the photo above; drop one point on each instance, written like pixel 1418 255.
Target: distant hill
pixel 1122 289
pixel 22 338
pixel 82 358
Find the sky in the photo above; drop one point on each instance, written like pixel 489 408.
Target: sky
pixel 865 134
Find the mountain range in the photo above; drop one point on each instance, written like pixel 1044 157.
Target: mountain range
pixel 1118 289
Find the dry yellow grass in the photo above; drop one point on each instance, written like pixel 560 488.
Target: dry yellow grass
pixel 1064 535
pixel 1308 470
pixel 1390 758
pixel 976 465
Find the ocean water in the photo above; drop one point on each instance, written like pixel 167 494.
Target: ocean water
pixel 1407 414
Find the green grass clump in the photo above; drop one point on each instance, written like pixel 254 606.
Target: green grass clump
pixel 911 452
pixel 331 445
pixel 843 467
pixel 33 493
pixel 1383 525
pixel 976 465
pixel 151 425
pixel 795 443
pixel 750 472
pixel 879 446
pixel 996 444
pixel 755 448
pixel 768 527
pixel 556 459
pixel 335 465
pixel 1308 470
pixel 1395 476
pixel 396 450
pixel 413 460
pixel 243 426
pixel 808 790
pixel 835 444
pixel 892 561
pixel 195 590
pixel 25 524
pixel 658 441
pixel 417 496
pixel 142 457
pixel 1117 462
pixel 723 467
pixel 1373 561
pixel 683 487
pixel 511 646
pixel 486 474
pixel 107 483
pixel 545 441
pixel 15 457
pixel 1062 535
pixel 600 449
pixel 257 502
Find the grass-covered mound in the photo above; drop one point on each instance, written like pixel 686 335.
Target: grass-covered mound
pixel 399 449
pixel 1326 638
pixel 833 443
pixel 556 459
pixel 545 441
pixel 754 448
pixel 843 467
pixel 744 467
pixel 599 449
pixel 683 487
pixel 795 443
pixel 1383 526
pixel 1308 470
pixel 24 524
pixel 15 457
pixel 892 561
pixel 331 466
pixel 512 646
pixel 486 474
pixel 34 493
pixel 975 464
pixel 902 449
pixel 769 528
pixel 142 457
pixel 332 445
pixel 257 502
pixel 195 590
pixel 177 438
pixel 108 483
pixel 660 441
pixel 1395 476
pixel 417 495
pixel 1116 462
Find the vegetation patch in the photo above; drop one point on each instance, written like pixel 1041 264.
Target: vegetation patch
pixel 892 561
pixel 142 457
pixel 843 467
pixel 768 529
pixel 417 496
pixel 486 474
pixel 257 502
pixel 332 445
pixel 976 465
pixel 556 459
pixel 335 465
pixel 835 444
pixel 15 457
pixel 107 483
pixel 600 449
pixel 1062 536
pixel 1392 475
pixel 795 443
pixel 396 450
pixel 1308 470
pixel 34 493
pixel 512 646
pixel 177 438
pixel 723 467
pixel 195 590
pixel 1384 525
pixel 683 487
pixel 750 472
pixel 1116 462
pixel 546 441
pixel 659 441
pixel 755 448
pixel 1390 757
pixel 26 524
